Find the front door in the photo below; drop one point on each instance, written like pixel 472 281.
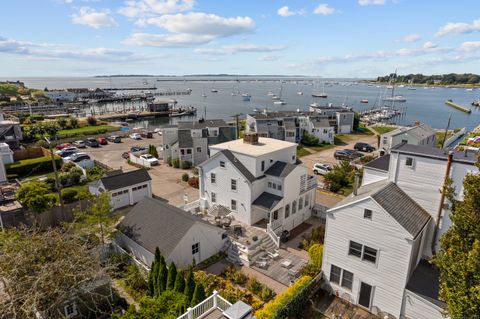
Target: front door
pixel 365 295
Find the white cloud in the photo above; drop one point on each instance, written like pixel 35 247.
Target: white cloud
pixel 143 8
pixel 324 9
pixel 371 2
pixel 268 58
pixel 459 28
pixel 285 12
pixel 92 18
pixel 411 37
pixel 470 46
pixel 167 40
pixel 429 45
pixel 237 48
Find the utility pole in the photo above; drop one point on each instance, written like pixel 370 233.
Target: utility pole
pixel 446 130
pixel 58 186
pixel 237 123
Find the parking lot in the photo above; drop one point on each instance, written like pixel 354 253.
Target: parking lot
pixel 166 181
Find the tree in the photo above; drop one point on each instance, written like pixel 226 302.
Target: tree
pixel 189 286
pixel 36 196
pixel 40 271
pixel 198 294
pixel 309 139
pixel 459 257
pixel 356 121
pixel 73 122
pixel 91 121
pixel 340 176
pixel 172 276
pixel 179 282
pixel 152 150
pixel 315 252
pixel 162 275
pixel 62 122
pixel 153 272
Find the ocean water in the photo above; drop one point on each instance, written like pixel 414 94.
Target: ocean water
pixel 424 105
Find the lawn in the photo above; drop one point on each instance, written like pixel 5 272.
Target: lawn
pixel 88 129
pixel 302 151
pixel 383 129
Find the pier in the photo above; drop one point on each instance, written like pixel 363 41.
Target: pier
pixel 130 89
pixel 458 106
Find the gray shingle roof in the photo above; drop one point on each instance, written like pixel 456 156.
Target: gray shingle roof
pixel 126 179
pixel 432 152
pixel 382 163
pixel 238 310
pixel 320 122
pixel 199 125
pixel 420 131
pixel 267 201
pixel 279 114
pixel 185 139
pixel 280 169
pixel 153 223
pixel 425 282
pixel 411 216
pixel 235 162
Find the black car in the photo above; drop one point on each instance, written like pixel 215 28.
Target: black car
pixel 364 147
pixel 114 139
pixel 92 142
pixel 67 153
pixel 78 157
pixel 346 155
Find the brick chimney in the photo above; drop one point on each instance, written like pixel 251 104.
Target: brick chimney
pixel 250 138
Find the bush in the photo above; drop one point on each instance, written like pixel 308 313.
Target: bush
pixel 31 166
pixel 95 173
pixel 316 236
pixel 235 276
pixel 67 167
pixel 91 121
pixel 135 279
pixel 152 150
pixel 176 163
pixel 117 264
pixel 169 161
pixel 73 122
pixel 62 122
pixel 195 171
pixel 185 177
pixel 254 286
pixel 193 182
pixel 186 165
pixel 69 195
pixel 309 139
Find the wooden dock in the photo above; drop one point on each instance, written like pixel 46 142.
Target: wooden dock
pixel 458 106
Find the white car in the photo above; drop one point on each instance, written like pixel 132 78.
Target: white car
pixel 149 158
pixel 135 136
pixel 72 149
pixel 321 169
pixel 80 144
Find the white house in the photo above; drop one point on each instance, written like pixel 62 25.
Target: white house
pixel 342 117
pixel 378 239
pixel 126 188
pixel 258 179
pixel 180 236
pixel 320 127
pixel 419 134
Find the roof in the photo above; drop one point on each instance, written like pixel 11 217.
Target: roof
pixel 381 163
pixel 153 223
pixel 265 146
pixel 425 282
pixel 469 156
pixel 420 131
pixel 332 108
pixel 238 310
pixel 125 179
pixel 320 122
pixel 201 124
pixel 235 162
pixel 411 216
pixel 267 201
pixel 185 139
pixel 280 169
pixel 279 114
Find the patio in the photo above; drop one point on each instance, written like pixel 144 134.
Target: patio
pixel 333 307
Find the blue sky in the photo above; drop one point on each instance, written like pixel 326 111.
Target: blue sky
pixel 348 38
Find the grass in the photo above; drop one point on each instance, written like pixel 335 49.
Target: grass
pixel 383 129
pixel 302 151
pixel 86 130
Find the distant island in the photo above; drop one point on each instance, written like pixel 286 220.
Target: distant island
pixel 450 79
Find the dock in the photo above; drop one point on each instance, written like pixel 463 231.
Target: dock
pixel 458 106
pixel 130 89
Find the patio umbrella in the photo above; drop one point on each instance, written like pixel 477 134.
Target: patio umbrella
pixel 219 211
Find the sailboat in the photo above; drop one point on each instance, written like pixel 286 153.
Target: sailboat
pixel 213 90
pixel 246 97
pixel 411 87
pixel 393 97
pixel 204 94
pixel 279 101
pixel 321 95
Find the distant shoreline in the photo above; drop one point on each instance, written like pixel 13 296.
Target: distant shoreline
pixel 460 85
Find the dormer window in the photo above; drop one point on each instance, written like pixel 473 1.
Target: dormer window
pixel 409 162
pixel 222 164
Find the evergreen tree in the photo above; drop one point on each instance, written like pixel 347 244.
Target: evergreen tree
pixel 152 276
pixel 459 257
pixel 189 285
pixel 172 276
pixel 198 294
pixel 162 275
pixel 179 282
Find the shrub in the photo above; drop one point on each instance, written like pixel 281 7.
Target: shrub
pixel 169 161
pixel 62 122
pixel 195 171
pixel 254 286
pixel 235 275
pixel 73 122
pixel 193 182
pixel 32 166
pixel 316 236
pixel 185 177
pixel 91 121
pixel 66 167
pixel 315 252
pixel 134 279
pixel 309 139
pixel 117 264
pixel 186 165
pixel 152 150
pixel 69 195
pixel 95 173
pixel 176 163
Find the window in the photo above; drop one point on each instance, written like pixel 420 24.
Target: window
pixel 213 178
pixel 195 248
pixel 214 198
pixel 369 254
pixel 409 162
pixel 385 140
pixel 114 194
pixel 335 274
pixel 294 207
pixel 125 191
pixel 306 200
pixel 367 213
pixel 287 211
pixel 199 149
pixel 347 279
pixel 233 204
pixel 269 184
pixel 144 186
pixel 279 187
pixel 233 184
pixel 263 166
pixel 222 164
pixel 300 203
pixel 355 249
pixel 274 186
pixel 189 151
pixel 70 310
pixel 404 141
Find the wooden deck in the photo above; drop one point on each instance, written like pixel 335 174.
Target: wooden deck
pixel 214 314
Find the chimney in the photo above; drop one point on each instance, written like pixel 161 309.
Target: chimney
pixel 250 138
pixel 355 184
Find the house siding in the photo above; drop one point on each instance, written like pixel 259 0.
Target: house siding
pixel 373 175
pixel 416 307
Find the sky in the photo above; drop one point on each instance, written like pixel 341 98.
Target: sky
pixel 347 38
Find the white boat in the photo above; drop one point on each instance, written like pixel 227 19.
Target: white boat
pixel 246 97
pixel 468 89
pixel 275 98
pixel 401 86
pixel 280 102
pixel 299 93
pixel 396 98
pixel 322 95
pixel 214 90
pixel 270 93
pixel 204 95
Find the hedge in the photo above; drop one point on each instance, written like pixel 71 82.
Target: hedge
pixel 289 303
pixel 32 166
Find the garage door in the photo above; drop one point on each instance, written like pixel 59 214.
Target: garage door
pixel 139 192
pixel 120 200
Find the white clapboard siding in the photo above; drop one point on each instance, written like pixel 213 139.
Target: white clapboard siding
pixel 416 307
pixel 373 175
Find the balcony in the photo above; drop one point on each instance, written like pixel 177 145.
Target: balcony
pixel 309 183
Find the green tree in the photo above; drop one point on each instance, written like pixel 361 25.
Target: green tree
pixel 153 272
pixel 166 306
pixel 189 285
pixel 162 275
pixel 179 282
pixel 309 139
pixel 459 257
pixel 152 150
pixel 172 276
pixel 73 122
pixel 340 176
pixel 198 294
pixel 36 196
pixel 315 252
pixel 62 122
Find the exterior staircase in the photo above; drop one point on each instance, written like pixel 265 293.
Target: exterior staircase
pixel 232 253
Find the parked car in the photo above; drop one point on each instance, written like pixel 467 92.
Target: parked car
pixel 135 136
pixel 347 155
pixel 67 151
pixel 150 158
pixel 136 149
pixel 102 141
pixel 360 146
pixel 80 144
pixel 78 157
pixel 114 139
pixel 321 169
pixel 62 146
pixel 146 134
pixel 92 142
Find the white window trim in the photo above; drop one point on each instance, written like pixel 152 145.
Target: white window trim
pixel 360 259
pixel 74 312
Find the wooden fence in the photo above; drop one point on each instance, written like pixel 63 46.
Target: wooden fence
pixel 31 152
